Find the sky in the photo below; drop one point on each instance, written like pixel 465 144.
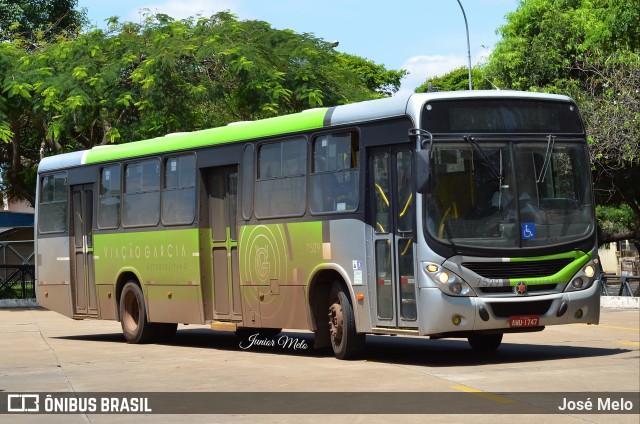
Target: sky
pixel 425 37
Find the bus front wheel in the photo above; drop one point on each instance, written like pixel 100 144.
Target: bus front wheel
pixel 133 315
pixel 345 341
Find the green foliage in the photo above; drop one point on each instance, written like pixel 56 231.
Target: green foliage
pixel 615 219
pixel 545 42
pixel 32 21
pixel 456 80
pixel 609 97
pixel 142 80
pixel 374 77
pixel 589 49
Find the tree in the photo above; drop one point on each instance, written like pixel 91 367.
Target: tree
pixel 137 81
pixel 617 224
pixel 610 102
pixel 456 80
pixel 589 49
pixel 33 20
pixel 374 77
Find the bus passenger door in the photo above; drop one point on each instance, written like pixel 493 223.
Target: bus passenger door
pixel 223 207
pixel 392 202
pixel 83 282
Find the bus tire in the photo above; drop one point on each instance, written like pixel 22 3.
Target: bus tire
pixel 345 341
pixel 133 315
pixel 485 342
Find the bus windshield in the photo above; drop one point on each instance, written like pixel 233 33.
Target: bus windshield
pixel 510 194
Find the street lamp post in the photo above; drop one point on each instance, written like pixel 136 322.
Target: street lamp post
pixel 468 44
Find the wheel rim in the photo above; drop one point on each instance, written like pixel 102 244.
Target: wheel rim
pixel 336 323
pixel 131 311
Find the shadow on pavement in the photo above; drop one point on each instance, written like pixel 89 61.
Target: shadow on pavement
pixel 384 349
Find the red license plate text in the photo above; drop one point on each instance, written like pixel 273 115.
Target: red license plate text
pixel 520 321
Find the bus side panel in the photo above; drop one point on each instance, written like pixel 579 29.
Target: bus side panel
pixel 167 263
pixel 107 308
pixel 279 306
pixel 352 251
pixel 275 265
pixel 53 271
pixel 174 303
pixel 277 262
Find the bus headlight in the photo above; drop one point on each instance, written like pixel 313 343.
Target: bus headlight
pixel 577 283
pixel 456 288
pixel 448 282
pixel 443 277
pixel 589 271
pixel 583 278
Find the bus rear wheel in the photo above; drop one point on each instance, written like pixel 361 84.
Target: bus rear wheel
pixel 345 341
pixel 485 342
pixel 133 315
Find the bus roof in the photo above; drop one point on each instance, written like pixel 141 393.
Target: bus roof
pixel 311 119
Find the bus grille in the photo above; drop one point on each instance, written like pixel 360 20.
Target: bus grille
pixel 530 288
pixel 508 270
pixel 508 309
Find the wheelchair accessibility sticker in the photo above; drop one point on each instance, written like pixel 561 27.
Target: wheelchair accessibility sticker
pixel 528 230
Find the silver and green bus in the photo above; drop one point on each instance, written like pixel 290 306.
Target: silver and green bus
pixel 463 215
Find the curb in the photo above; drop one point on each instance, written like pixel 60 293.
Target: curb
pixel 18 303
pixel 620 302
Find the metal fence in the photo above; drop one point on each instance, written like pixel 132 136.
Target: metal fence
pixel 620 285
pixel 17 270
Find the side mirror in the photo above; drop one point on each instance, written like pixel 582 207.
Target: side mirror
pixel 423 170
pixel 424 158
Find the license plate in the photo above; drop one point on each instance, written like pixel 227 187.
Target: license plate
pixel 520 321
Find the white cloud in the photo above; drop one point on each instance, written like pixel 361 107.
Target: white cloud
pixel 180 9
pixel 422 67
pixel 481 56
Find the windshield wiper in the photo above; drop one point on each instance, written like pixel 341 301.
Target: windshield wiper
pixel 469 139
pixel 487 161
pixel 551 140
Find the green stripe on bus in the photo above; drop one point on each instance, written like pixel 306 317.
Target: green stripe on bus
pixel 573 254
pixel 580 259
pixel 308 120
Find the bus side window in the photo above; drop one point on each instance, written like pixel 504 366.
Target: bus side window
pixel 179 190
pixel 109 197
pixel 281 183
pixel 335 173
pixel 52 213
pixel 142 193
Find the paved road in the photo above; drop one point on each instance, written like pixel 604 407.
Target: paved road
pixel 41 351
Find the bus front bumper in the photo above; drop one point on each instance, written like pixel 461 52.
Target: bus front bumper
pixel 440 314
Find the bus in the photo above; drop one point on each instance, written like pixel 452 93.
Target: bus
pixel 449 215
